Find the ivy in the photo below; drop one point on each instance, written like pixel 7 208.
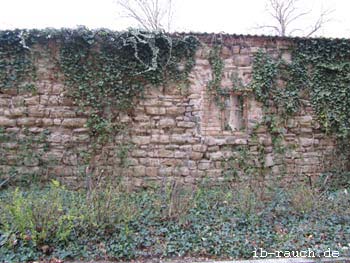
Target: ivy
pixel 214 85
pixel 319 71
pixel 16 67
pixel 105 72
pixel 264 76
pixel 329 75
pixel 108 70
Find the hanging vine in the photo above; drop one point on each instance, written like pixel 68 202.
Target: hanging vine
pixel 16 67
pixel 320 68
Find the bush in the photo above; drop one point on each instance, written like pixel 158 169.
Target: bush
pixel 109 222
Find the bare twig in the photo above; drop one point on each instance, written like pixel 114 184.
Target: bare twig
pixel 285 13
pixel 151 15
pixel 321 21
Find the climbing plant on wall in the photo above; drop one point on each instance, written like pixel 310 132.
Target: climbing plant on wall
pixel 320 70
pixel 104 71
pixel 101 68
pixel 16 67
pixel 107 70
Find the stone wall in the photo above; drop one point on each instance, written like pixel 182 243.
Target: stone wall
pixel 173 132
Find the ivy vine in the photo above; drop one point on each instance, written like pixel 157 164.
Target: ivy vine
pixel 104 71
pixel 108 70
pixel 214 85
pixel 16 67
pixel 319 71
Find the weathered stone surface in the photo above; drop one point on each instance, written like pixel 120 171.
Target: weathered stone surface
pixel 61 112
pixel 179 154
pixel 213 148
pixel 37 111
pixel 216 156
pixel 196 156
pixel 306 141
pixel 155 110
pixel 161 139
pixel 30 121
pixel 166 171
pixel 74 122
pixel 236 141
pixel 32 100
pixel 269 162
pixel 6 122
pixel 204 165
pixel 243 60
pixel 179 139
pixel 152 171
pixel 138 153
pixel 141 140
pixel 305 120
pixel 186 124
pixel 15 112
pixel 170 132
pixel 200 148
pixel 139 171
pixel 166 123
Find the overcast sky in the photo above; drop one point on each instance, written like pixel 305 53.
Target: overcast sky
pixel 230 16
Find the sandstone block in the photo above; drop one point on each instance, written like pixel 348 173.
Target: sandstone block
pixel 171 162
pixel 204 165
pixel 161 139
pixel 57 122
pixel 30 121
pixel 81 130
pixel 139 171
pixel 196 156
pixel 181 171
pixel 6 122
pixel 306 130
pixel 81 138
pixel 200 148
pixel 305 120
pixel 210 141
pixel 141 140
pixel 36 111
pixel 32 100
pixel 236 141
pixel 179 154
pixel 306 141
pixel 166 123
pixel 74 122
pixel 162 153
pixel 166 171
pixel 47 122
pixel 61 112
pixel 225 52
pixel 213 148
pixel 138 153
pixel 4 102
pixel 216 156
pixel 186 124
pixel 57 88
pixel 269 160
pixel 243 60
pixel 152 171
pixel 142 118
pixel 179 139
pixel 15 112
pixel 155 110
pixel 172 147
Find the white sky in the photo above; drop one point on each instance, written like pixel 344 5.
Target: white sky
pixel 230 16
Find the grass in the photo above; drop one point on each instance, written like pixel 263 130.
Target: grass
pixel 227 221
